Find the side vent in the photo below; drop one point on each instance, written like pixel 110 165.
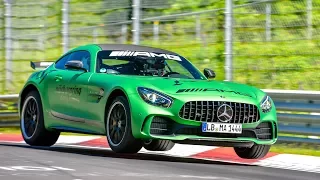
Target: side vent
pixel 161 126
pixel 264 131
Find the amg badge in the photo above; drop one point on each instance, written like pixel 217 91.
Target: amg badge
pixel 211 89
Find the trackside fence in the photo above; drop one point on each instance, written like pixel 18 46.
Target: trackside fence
pixel 298 114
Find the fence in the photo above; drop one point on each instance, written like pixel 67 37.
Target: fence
pixel 270 44
pixel 294 108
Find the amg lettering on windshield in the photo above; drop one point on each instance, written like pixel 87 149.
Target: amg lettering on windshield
pixel 144 53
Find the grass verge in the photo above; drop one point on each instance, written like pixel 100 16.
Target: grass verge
pixel 289 148
pixel 296 148
pixel 16 130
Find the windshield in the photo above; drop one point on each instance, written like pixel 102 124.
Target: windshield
pixel 146 64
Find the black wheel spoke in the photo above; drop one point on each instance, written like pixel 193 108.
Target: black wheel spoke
pixel 116 109
pixel 30 129
pixel 118 136
pixel 113 116
pixel 27 124
pixel 113 129
pixel 30 106
pixel 112 133
pixel 29 111
pixel 34 107
pixel 123 123
pixel 28 116
pixel 122 129
pixel 26 119
pixel 122 117
pixel 119 112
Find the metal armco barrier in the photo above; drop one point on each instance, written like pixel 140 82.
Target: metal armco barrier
pixel 298 114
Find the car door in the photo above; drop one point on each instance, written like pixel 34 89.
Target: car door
pixel 54 86
pixel 67 90
pixel 78 85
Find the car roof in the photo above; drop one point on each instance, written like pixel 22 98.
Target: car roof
pixel 131 47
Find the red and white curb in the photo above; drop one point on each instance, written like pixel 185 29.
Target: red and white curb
pixel 223 154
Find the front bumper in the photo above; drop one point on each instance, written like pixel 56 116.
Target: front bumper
pixel 151 122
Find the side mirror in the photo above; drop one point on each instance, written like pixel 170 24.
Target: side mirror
pixel 209 73
pixel 75 64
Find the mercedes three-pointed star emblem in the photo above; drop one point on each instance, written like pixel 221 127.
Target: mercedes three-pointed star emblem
pixel 225 113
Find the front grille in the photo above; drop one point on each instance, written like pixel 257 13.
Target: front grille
pixel 206 111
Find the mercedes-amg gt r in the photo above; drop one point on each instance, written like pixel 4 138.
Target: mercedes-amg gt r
pixel 140 96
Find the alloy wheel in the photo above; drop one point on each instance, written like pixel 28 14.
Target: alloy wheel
pixel 117 121
pixel 29 117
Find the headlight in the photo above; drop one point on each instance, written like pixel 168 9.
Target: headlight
pixel 154 98
pixel 266 104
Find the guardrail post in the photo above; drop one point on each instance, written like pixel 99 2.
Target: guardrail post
pixel 309 18
pixel 156 30
pixel 136 21
pixel 8 44
pixel 124 29
pixel 228 40
pixel 268 21
pixel 41 45
pixel 65 25
pixel 198 27
pixel 94 35
pixel 42 38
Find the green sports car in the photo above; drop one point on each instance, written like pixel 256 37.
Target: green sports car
pixel 140 96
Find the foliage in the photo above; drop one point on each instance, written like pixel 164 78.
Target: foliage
pixel 288 61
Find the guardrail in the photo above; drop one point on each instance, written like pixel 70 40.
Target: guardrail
pixel 298 114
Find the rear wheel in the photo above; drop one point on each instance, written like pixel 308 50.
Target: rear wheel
pixel 32 122
pixel 158 145
pixel 118 127
pixel 257 151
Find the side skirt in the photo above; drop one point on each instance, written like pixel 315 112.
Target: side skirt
pixel 77 121
pixel 75 130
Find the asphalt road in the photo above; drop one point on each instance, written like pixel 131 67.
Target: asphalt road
pixel 69 163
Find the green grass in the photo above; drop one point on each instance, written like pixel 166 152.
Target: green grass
pixel 16 130
pixel 297 148
pixel 10 130
pixel 289 148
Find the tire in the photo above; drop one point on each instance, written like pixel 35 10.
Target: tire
pixel 119 129
pixel 32 126
pixel 158 145
pixel 255 152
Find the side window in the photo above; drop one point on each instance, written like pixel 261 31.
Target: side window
pixel 60 64
pixel 83 56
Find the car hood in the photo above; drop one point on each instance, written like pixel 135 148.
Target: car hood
pixel 175 87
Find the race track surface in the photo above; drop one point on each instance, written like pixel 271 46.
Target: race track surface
pixel 75 163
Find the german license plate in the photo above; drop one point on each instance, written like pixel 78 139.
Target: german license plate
pixel 222 128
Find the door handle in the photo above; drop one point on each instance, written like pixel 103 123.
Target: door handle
pixel 58 78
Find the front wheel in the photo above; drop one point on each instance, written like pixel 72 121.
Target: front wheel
pixel 118 127
pixel 257 151
pixel 32 126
